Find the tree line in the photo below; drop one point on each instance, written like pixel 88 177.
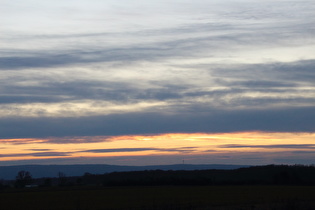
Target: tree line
pixel 256 175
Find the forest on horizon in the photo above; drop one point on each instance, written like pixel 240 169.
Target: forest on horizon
pixel 255 175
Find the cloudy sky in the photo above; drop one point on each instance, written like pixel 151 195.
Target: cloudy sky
pixel 156 82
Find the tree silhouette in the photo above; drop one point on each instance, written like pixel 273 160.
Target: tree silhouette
pixel 48 182
pixel 23 178
pixel 2 184
pixel 62 178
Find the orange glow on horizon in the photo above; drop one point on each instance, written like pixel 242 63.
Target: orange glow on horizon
pixel 147 145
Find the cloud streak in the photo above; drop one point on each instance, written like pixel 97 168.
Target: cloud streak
pixel 276 146
pixel 182 150
pixel 36 154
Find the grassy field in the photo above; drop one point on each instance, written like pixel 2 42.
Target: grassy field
pixel 161 197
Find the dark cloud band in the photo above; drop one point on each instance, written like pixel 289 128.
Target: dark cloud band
pixel 207 120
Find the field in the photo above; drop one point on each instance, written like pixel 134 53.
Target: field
pixel 161 197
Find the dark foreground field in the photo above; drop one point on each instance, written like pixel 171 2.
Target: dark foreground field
pixel 161 197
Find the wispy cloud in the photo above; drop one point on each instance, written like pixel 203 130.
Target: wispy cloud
pixel 40 150
pixel 275 146
pixel 36 154
pixel 49 153
pixel 183 149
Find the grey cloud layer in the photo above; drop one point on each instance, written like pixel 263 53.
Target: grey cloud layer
pixel 212 67
pixel 273 78
pixel 175 47
pixel 280 120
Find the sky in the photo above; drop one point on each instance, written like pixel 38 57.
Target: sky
pixel 149 82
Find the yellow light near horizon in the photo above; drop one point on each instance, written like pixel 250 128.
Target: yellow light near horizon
pixel 163 144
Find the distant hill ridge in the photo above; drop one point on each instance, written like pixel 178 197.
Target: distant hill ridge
pixel 39 171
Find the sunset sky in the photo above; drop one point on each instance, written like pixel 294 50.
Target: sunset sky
pixel 149 82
